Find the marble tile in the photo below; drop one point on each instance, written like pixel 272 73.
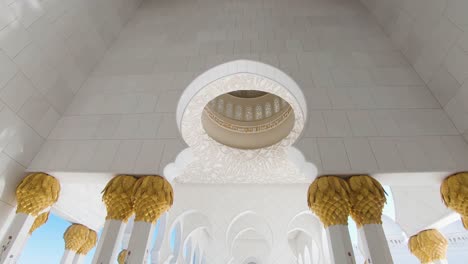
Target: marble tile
pixel 360 155
pixel 8 69
pixel 17 92
pixel 14 38
pixel 333 154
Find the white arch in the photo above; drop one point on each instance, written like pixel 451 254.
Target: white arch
pixel 253 221
pixel 250 260
pixel 187 224
pixel 238 67
pixel 310 225
pixel 286 164
pixel 307 222
pixel 307 257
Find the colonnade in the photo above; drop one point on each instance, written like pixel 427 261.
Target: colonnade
pixel 35 195
pixel 148 197
pixel 332 198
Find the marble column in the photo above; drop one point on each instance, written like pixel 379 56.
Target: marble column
pixel 35 194
pixel 38 222
pixel 367 203
pixel 117 197
pixel 329 199
pixel 153 196
pixel 75 238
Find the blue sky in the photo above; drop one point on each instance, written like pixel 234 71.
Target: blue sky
pixel 47 245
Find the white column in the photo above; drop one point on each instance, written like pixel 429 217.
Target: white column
pixel 21 248
pixel 108 248
pixel 68 257
pixel 15 237
pixel 158 244
pixel 140 240
pixel 440 261
pixel 8 213
pixel 339 242
pixel 375 245
pixel 79 258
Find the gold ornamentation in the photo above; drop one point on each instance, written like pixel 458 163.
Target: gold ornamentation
pixel 454 191
pixel 89 243
pixel 75 237
pixel 117 196
pixel 36 192
pixel 39 221
pixel 367 200
pixel 329 199
pixel 428 246
pixel 220 121
pixel 152 196
pixel 122 256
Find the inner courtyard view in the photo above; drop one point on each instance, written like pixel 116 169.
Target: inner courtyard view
pixel 234 131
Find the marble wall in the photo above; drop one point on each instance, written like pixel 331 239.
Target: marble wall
pixel 48 48
pixel 433 36
pixel 368 109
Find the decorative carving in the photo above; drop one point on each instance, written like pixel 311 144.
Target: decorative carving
pixel 213 162
pixel 247 129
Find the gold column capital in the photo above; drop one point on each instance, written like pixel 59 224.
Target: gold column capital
pixel 428 246
pixel 329 199
pixel 454 192
pixel 367 200
pixel 89 243
pixel 117 196
pixel 152 197
pixel 39 221
pixel 36 192
pixel 122 256
pixel 75 237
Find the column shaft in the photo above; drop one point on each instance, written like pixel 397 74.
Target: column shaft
pixel 138 248
pixel 109 245
pixel 340 245
pixel 79 258
pixel 68 257
pixel 15 238
pixel 375 244
pixel 440 261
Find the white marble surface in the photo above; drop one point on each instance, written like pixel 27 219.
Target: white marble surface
pixel 369 110
pixel 433 35
pixel 91 94
pixel 47 51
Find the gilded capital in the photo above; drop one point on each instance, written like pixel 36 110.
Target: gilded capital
pixel 428 246
pixel 75 237
pixel 367 200
pixel 117 196
pixel 329 199
pixel 36 192
pixel 152 197
pixel 454 191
